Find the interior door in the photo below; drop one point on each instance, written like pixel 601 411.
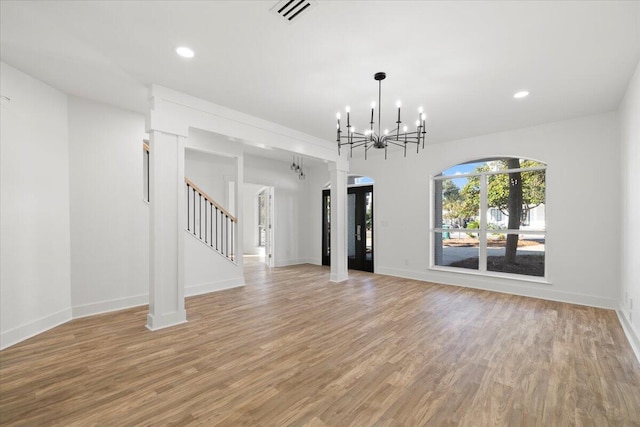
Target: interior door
pixel 359 228
pixel 326 227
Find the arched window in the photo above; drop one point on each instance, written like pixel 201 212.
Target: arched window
pixel 489 217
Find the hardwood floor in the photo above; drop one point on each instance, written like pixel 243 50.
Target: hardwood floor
pixel 291 348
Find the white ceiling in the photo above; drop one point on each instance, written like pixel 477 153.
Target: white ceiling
pixel 461 60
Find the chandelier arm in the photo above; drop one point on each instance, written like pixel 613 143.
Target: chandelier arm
pixel 356 144
pixel 408 138
pixel 354 135
pixel 359 134
pixel 353 139
pixel 414 134
pixel 394 142
pixel 367 148
pixel 352 142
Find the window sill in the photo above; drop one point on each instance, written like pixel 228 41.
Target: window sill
pixel 492 274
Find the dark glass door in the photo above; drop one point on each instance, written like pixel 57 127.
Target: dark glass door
pixel 326 227
pixel 359 228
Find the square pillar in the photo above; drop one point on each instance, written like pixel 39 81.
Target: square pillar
pixel 339 265
pixel 166 229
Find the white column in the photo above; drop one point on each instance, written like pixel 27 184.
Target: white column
pixel 166 240
pixel 338 172
pixel 238 237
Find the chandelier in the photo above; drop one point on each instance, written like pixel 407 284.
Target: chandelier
pixel 372 138
pixel 296 167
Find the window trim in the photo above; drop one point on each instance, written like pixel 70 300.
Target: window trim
pixel 483 231
pixel 492 274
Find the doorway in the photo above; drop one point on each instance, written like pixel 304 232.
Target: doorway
pixel 359 228
pixel 265 224
pixel 258 229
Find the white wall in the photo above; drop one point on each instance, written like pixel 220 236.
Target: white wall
pixel 250 223
pixel 34 201
pixel 583 198
pixel 205 270
pixel 289 247
pixel 109 217
pixel 630 185
pixel 211 173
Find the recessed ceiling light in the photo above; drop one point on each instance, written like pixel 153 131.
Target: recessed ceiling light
pixel 521 94
pixel 185 52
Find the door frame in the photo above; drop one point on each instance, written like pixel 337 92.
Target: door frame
pixel 269 226
pixel 360 264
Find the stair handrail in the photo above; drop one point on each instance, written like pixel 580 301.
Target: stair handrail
pixel 208 198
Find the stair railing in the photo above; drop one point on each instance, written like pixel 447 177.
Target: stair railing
pixel 210 222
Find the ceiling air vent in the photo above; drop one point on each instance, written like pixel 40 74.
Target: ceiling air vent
pixel 292 10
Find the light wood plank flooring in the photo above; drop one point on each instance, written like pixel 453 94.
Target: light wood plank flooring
pixel 291 348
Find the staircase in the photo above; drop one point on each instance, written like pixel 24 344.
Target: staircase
pixel 209 222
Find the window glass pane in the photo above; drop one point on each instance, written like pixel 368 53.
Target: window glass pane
pixel 527 189
pixel 498 201
pixel 491 165
pixel 262 218
pixel 457 203
pixel 351 226
pixel 463 168
pixel 456 252
pixel 533 194
pixel 527 254
pixel 262 211
pixel 368 217
pixel 327 226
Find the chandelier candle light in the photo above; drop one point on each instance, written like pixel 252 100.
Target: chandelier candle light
pixel 371 138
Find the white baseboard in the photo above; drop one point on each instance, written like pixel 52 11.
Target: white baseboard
pixel 109 305
pixel 162 321
pixel 506 286
pixel 337 278
pixel 34 328
pixel 205 288
pixel 632 335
